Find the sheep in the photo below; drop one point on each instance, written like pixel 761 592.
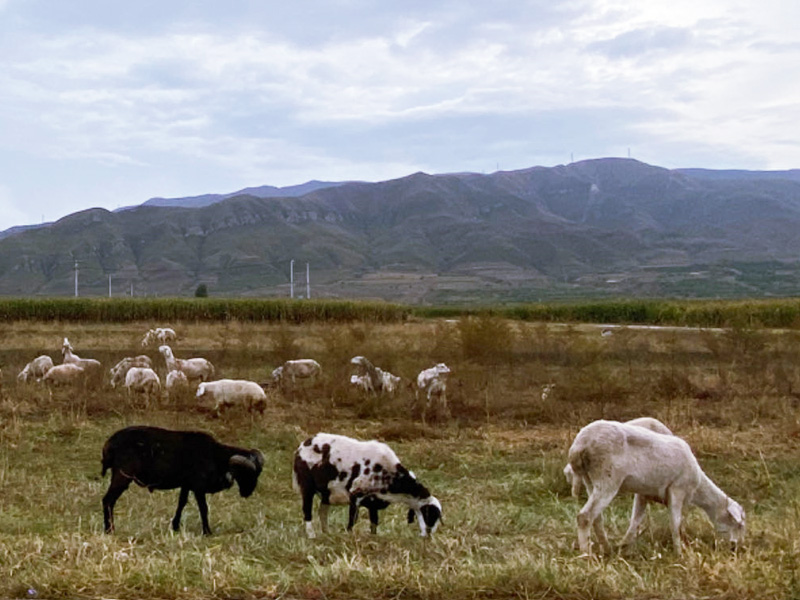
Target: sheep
pixel 302 368
pixel 193 368
pixel 93 368
pixel 162 459
pixel 612 457
pixel 143 380
pixel 120 370
pixel 68 374
pixel 433 382
pixel 162 335
pixel 175 379
pixel 343 470
pixel 35 369
pixel 371 378
pixel 231 392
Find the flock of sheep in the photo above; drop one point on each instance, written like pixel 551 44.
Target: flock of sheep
pixel 642 456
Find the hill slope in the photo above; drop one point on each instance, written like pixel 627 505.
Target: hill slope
pixel 607 226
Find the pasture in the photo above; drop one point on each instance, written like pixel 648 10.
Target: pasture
pixel 495 462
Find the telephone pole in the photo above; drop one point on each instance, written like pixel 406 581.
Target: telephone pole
pixel 291 278
pixel 76 278
pixel 308 284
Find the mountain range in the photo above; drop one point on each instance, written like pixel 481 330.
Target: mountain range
pixel 593 228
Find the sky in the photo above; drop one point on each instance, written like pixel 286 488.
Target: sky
pixel 105 103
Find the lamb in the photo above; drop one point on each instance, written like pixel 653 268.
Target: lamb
pixel 193 368
pixel 302 368
pixel 162 335
pixel 35 369
pixel 93 368
pixel 343 470
pixel 162 459
pixel 120 370
pixel 433 382
pixel 68 374
pixel 143 380
pixel 232 392
pixel 612 457
pixel 362 382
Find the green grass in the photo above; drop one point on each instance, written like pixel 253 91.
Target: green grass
pixel 509 522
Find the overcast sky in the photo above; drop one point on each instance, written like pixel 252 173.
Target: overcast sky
pixel 108 103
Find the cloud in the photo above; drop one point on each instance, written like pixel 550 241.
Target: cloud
pixel 9 213
pixel 643 41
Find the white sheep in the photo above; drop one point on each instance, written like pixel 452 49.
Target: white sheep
pixel 193 368
pixel 120 370
pixel 612 457
pixel 35 369
pixel 302 368
pixel 362 382
pixel 232 392
pixel 143 380
pixel 371 378
pixel 93 368
pixel 162 335
pixel 67 374
pixel 433 382
pixel 175 380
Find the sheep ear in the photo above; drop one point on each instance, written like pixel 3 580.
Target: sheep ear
pixel 736 511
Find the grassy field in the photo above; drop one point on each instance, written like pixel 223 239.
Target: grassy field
pixel 495 463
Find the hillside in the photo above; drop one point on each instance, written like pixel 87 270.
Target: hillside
pixel 600 227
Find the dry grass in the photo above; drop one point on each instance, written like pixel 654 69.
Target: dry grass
pixel 495 464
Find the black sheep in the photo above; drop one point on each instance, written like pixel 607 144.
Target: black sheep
pixel 161 459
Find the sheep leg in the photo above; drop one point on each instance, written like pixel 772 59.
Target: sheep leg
pixel 675 501
pixel 637 514
pixel 373 520
pixel 119 483
pixel 323 515
pixel 353 514
pixel 590 517
pixel 203 506
pixel 183 498
pixel 308 505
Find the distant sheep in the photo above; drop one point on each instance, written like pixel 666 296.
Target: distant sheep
pixel 143 380
pixel 162 335
pixel 433 383
pixel 612 457
pixel 161 459
pixel 175 381
pixel 120 370
pixel 225 393
pixel 93 368
pixel 68 374
pixel 370 378
pixel 302 368
pixel 35 369
pixel 193 368
pixel 344 470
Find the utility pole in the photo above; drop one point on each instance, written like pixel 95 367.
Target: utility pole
pixel 291 278
pixel 109 285
pixel 76 278
pixel 308 284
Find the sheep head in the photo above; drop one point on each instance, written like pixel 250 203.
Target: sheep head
pixel 245 469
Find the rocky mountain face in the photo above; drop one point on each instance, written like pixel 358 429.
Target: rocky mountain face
pixel 599 227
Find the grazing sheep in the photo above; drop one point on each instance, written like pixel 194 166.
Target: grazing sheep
pixel 547 390
pixel 120 370
pixel 175 381
pixel 35 369
pixel 93 368
pixel 193 368
pixel 302 368
pixel 67 374
pixel 612 457
pixel 143 380
pixel 343 470
pixel 233 392
pixel 161 459
pixel 371 378
pixel 162 335
pixel 433 382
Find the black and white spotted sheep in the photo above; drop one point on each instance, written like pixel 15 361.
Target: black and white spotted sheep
pixel 343 470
